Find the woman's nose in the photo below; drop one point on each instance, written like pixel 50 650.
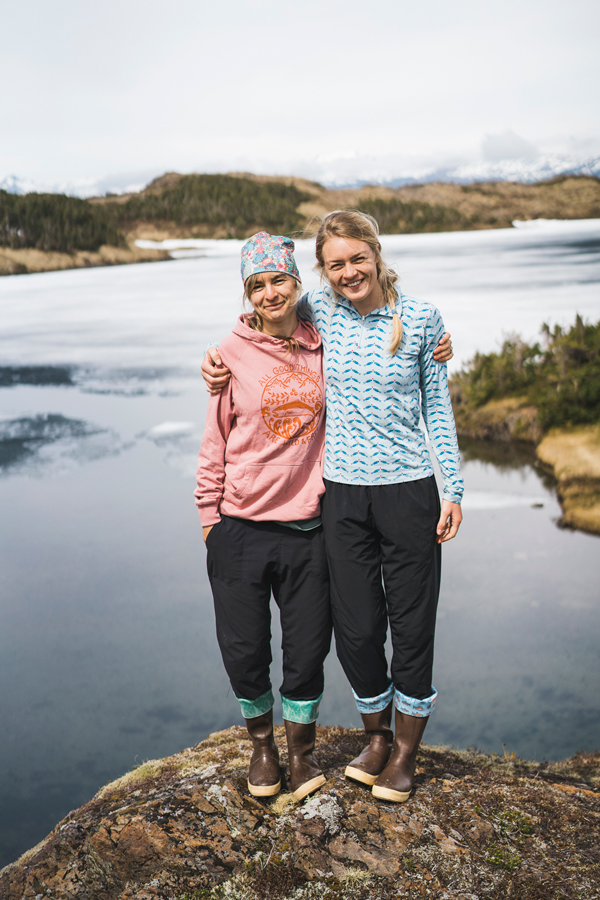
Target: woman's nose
pixel 270 292
pixel 349 270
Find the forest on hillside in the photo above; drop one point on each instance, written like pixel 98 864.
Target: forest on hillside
pixel 55 222
pixel 229 206
pixel 237 207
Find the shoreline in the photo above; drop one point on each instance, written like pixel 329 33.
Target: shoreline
pixel 28 261
pixel 571 455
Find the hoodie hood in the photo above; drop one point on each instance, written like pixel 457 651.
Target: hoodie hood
pixel 306 334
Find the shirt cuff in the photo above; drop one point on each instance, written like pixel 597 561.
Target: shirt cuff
pixel 452 496
pixel 209 515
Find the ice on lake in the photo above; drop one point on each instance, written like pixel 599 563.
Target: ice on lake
pixel 107 646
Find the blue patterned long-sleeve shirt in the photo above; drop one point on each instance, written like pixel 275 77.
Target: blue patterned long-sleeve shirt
pixel 375 399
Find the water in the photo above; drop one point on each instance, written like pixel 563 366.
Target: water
pixel 107 647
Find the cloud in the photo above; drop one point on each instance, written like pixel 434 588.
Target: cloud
pixel 508 145
pixel 156 91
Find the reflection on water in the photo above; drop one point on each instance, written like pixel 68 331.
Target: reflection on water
pixel 504 457
pixel 50 439
pixel 107 648
pixel 517 628
pixel 37 375
pixel 107 635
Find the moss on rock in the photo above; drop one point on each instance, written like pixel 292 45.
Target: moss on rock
pixel 185 828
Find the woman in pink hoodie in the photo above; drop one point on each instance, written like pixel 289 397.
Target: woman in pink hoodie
pixel 259 486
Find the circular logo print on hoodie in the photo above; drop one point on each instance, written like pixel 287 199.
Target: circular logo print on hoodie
pixel 292 403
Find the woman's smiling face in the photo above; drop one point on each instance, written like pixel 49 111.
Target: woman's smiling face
pixel 351 268
pixel 274 296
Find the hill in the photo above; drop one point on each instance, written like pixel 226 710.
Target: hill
pixel 47 231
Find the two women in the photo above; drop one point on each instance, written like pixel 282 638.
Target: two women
pixel 382 518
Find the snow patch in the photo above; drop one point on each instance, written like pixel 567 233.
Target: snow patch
pixel 170 430
pixel 558 224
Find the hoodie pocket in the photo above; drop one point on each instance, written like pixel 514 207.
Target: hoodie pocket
pixel 274 487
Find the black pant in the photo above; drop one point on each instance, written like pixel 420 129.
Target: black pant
pixel 390 531
pixel 246 562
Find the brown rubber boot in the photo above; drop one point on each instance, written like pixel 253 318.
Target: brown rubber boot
pixel 264 779
pixel 371 762
pixel 305 775
pixel 395 782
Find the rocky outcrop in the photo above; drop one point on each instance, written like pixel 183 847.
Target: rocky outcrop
pixel 509 419
pixel 571 454
pixel 185 828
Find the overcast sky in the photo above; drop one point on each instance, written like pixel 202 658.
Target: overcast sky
pixel 137 86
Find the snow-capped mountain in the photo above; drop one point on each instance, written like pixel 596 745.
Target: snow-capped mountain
pixel 76 187
pixel 523 170
pixel 345 170
pixel 355 171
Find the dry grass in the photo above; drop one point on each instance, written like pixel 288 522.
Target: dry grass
pixel 572 453
pixel 28 260
pixel 574 456
pixel 283 804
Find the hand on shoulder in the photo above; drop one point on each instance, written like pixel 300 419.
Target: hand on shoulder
pixel 215 374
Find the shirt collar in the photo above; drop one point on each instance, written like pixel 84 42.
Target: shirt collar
pixel 380 311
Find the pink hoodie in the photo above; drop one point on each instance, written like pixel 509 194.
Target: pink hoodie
pixel 262 451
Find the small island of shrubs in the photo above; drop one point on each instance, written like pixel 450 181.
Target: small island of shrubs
pixel 559 376
pixel 547 393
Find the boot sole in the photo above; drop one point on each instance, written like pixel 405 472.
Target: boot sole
pixel 359 775
pixel 264 790
pixel 309 787
pixel 383 793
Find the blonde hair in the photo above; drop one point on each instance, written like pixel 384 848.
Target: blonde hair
pixel 254 319
pixel 358 226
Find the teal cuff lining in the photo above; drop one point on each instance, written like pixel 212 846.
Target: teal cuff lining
pixel 253 708
pixel 302 711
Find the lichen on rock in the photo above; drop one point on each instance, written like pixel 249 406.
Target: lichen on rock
pixel 186 828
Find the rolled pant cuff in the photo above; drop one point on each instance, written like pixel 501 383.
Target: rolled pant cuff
pixel 377 704
pixel 413 707
pixel 301 711
pixel 253 708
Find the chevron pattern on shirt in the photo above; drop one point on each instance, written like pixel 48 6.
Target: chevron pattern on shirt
pixel 375 400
